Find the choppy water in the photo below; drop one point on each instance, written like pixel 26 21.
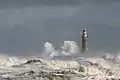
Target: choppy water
pixel 53 63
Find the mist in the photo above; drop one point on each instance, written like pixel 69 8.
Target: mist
pixel 25 25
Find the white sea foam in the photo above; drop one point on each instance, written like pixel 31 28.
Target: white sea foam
pixel 67 50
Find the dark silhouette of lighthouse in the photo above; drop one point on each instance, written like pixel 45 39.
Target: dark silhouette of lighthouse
pixel 84 41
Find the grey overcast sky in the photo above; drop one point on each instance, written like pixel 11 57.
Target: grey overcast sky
pixel 25 25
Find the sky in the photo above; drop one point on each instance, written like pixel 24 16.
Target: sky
pixel 25 25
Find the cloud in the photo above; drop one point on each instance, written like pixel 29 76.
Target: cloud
pixel 23 3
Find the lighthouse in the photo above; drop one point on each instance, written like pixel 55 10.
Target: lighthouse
pixel 84 41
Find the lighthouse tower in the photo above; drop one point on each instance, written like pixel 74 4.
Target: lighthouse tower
pixel 84 41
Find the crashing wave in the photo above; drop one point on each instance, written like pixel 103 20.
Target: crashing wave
pixel 68 48
pixel 94 67
pixel 108 57
pixel 89 67
pixel 6 61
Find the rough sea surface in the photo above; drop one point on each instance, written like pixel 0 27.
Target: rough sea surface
pixel 63 64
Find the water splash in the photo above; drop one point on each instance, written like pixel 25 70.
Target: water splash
pixel 68 48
